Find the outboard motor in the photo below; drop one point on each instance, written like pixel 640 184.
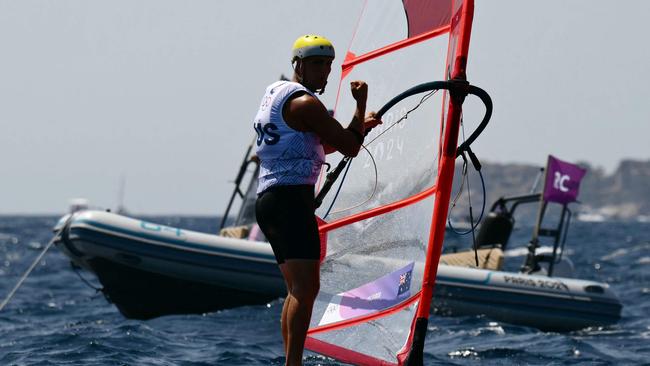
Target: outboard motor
pixel 495 229
pixel 562 267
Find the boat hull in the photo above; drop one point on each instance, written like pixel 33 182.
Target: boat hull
pixel 147 295
pixel 546 303
pixel 148 270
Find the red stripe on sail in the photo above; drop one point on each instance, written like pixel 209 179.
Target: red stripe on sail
pixel 344 354
pixel 346 70
pixel 349 64
pixel 378 211
pixel 365 318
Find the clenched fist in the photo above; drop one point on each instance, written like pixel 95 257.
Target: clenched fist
pixel 359 91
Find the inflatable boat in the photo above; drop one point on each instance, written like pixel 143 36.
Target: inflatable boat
pixel 148 270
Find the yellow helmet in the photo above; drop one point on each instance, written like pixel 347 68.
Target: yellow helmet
pixel 312 45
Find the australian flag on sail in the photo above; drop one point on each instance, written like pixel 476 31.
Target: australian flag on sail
pixel 404 282
pixel 380 294
pixel 562 181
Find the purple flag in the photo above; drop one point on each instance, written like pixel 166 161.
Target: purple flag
pixel 372 297
pixel 562 181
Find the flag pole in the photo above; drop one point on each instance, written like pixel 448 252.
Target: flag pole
pixel 529 265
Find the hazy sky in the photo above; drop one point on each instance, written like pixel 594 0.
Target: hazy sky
pixel 163 92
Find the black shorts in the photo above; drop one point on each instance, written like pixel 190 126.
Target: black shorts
pixel 286 216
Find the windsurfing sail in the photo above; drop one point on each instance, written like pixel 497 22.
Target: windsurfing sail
pixel 386 221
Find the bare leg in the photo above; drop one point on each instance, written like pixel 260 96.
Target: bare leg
pixel 285 329
pixel 303 275
pixel 285 307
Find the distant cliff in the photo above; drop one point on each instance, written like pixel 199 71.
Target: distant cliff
pixel 622 195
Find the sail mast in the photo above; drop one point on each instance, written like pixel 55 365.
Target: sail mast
pixel 461 24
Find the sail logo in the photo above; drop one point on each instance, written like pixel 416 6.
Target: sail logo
pixel 560 182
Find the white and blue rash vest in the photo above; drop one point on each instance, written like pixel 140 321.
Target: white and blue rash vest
pixel 287 156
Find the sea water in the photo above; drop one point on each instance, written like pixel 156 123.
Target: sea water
pixel 55 318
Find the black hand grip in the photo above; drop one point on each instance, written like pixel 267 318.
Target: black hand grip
pixel 457 86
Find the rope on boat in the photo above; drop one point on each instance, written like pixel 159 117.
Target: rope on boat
pixel 29 270
pixel 56 237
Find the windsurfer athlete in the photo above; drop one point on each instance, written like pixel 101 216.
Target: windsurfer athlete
pixel 294 132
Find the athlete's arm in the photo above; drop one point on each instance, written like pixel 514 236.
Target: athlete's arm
pixel 306 113
pixel 369 122
pixel 359 91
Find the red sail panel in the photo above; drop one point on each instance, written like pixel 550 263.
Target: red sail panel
pixel 426 15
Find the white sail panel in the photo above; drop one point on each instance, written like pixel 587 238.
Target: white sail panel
pixel 404 154
pixel 389 14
